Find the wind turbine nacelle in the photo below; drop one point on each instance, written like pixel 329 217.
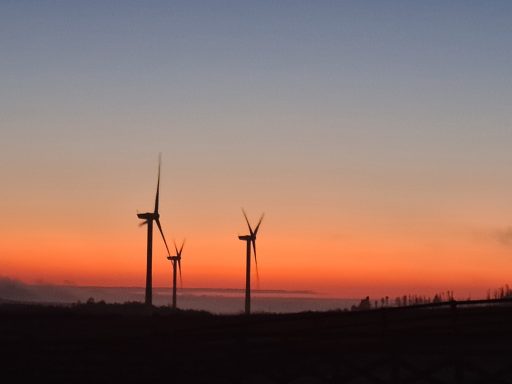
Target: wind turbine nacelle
pixel 148 216
pixel 245 238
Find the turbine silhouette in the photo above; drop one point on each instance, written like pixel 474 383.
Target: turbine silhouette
pixel 250 239
pixel 148 218
pixel 176 264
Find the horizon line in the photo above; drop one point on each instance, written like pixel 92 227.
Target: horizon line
pixel 225 289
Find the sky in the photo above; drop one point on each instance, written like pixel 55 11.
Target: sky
pixel 375 136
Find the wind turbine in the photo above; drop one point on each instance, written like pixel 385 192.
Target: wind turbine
pixel 250 239
pixel 148 218
pixel 176 264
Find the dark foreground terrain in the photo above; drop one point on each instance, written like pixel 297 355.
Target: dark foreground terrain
pixel 130 343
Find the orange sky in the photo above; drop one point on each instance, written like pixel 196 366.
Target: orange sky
pixel 310 248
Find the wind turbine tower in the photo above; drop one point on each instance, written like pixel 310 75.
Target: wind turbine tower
pixel 148 218
pixel 250 239
pixel 176 264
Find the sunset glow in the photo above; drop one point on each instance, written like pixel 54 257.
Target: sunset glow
pixel 378 145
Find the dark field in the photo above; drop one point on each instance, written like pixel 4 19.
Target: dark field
pixel 130 343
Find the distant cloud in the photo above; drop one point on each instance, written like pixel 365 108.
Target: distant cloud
pixel 16 290
pixel 215 300
pixel 12 289
pixel 504 236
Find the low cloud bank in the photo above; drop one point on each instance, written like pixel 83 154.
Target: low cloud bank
pixel 15 290
pixel 209 299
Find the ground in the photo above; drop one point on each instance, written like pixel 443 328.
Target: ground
pixel 132 343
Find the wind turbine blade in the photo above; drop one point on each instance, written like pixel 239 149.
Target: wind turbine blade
pixel 143 223
pixel 176 247
pixel 158 184
pixel 253 241
pixel 163 237
pixel 247 220
pixel 181 249
pixel 256 262
pixel 179 267
pixel 258 226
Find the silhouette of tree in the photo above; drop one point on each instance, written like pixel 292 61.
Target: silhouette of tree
pixel 364 305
